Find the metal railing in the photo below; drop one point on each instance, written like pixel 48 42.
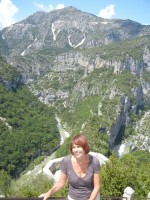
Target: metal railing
pixel 113 198
pixel 60 198
pixel 64 198
pixel 118 198
pixel 32 198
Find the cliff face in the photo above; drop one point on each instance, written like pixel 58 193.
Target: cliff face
pixel 10 78
pixel 84 66
pixel 13 85
pixel 67 27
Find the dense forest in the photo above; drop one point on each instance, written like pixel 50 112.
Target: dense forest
pixel 28 128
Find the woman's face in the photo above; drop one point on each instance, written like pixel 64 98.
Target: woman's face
pixel 78 151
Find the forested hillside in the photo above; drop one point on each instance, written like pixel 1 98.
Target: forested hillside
pixel 27 127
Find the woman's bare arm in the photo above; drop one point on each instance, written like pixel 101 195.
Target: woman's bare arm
pixel 96 189
pixel 56 187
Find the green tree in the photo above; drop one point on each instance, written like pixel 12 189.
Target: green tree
pixel 131 170
pixel 5 180
pixel 33 187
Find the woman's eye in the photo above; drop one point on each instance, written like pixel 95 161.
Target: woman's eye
pixel 75 147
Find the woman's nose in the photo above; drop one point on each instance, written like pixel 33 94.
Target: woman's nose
pixel 76 148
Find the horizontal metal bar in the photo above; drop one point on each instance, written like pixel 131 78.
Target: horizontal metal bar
pixel 32 198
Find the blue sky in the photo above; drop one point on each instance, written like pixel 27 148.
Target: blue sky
pixel 12 11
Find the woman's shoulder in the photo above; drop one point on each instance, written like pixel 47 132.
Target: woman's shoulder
pixel 93 159
pixel 95 163
pixel 67 158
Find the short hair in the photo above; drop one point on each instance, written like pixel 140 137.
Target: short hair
pixel 81 140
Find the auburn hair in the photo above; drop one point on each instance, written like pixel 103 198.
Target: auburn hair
pixel 81 140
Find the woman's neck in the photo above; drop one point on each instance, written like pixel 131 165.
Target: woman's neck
pixel 82 159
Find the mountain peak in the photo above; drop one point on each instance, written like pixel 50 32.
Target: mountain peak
pixel 67 27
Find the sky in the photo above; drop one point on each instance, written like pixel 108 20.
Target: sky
pixel 12 11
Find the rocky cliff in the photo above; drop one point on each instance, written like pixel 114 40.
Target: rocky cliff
pixel 84 66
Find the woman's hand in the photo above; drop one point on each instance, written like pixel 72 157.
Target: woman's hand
pixel 45 195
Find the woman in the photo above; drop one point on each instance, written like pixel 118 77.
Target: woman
pixel 81 170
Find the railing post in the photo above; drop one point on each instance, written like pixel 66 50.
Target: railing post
pixel 148 196
pixel 128 193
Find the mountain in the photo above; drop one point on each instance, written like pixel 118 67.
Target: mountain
pixel 34 44
pixel 28 128
pixel 94 73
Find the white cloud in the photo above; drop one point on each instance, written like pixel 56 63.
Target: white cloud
pixel 49 7
pixel 60 6
pixel 7 13
pixel 42 7
pixel 107 12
